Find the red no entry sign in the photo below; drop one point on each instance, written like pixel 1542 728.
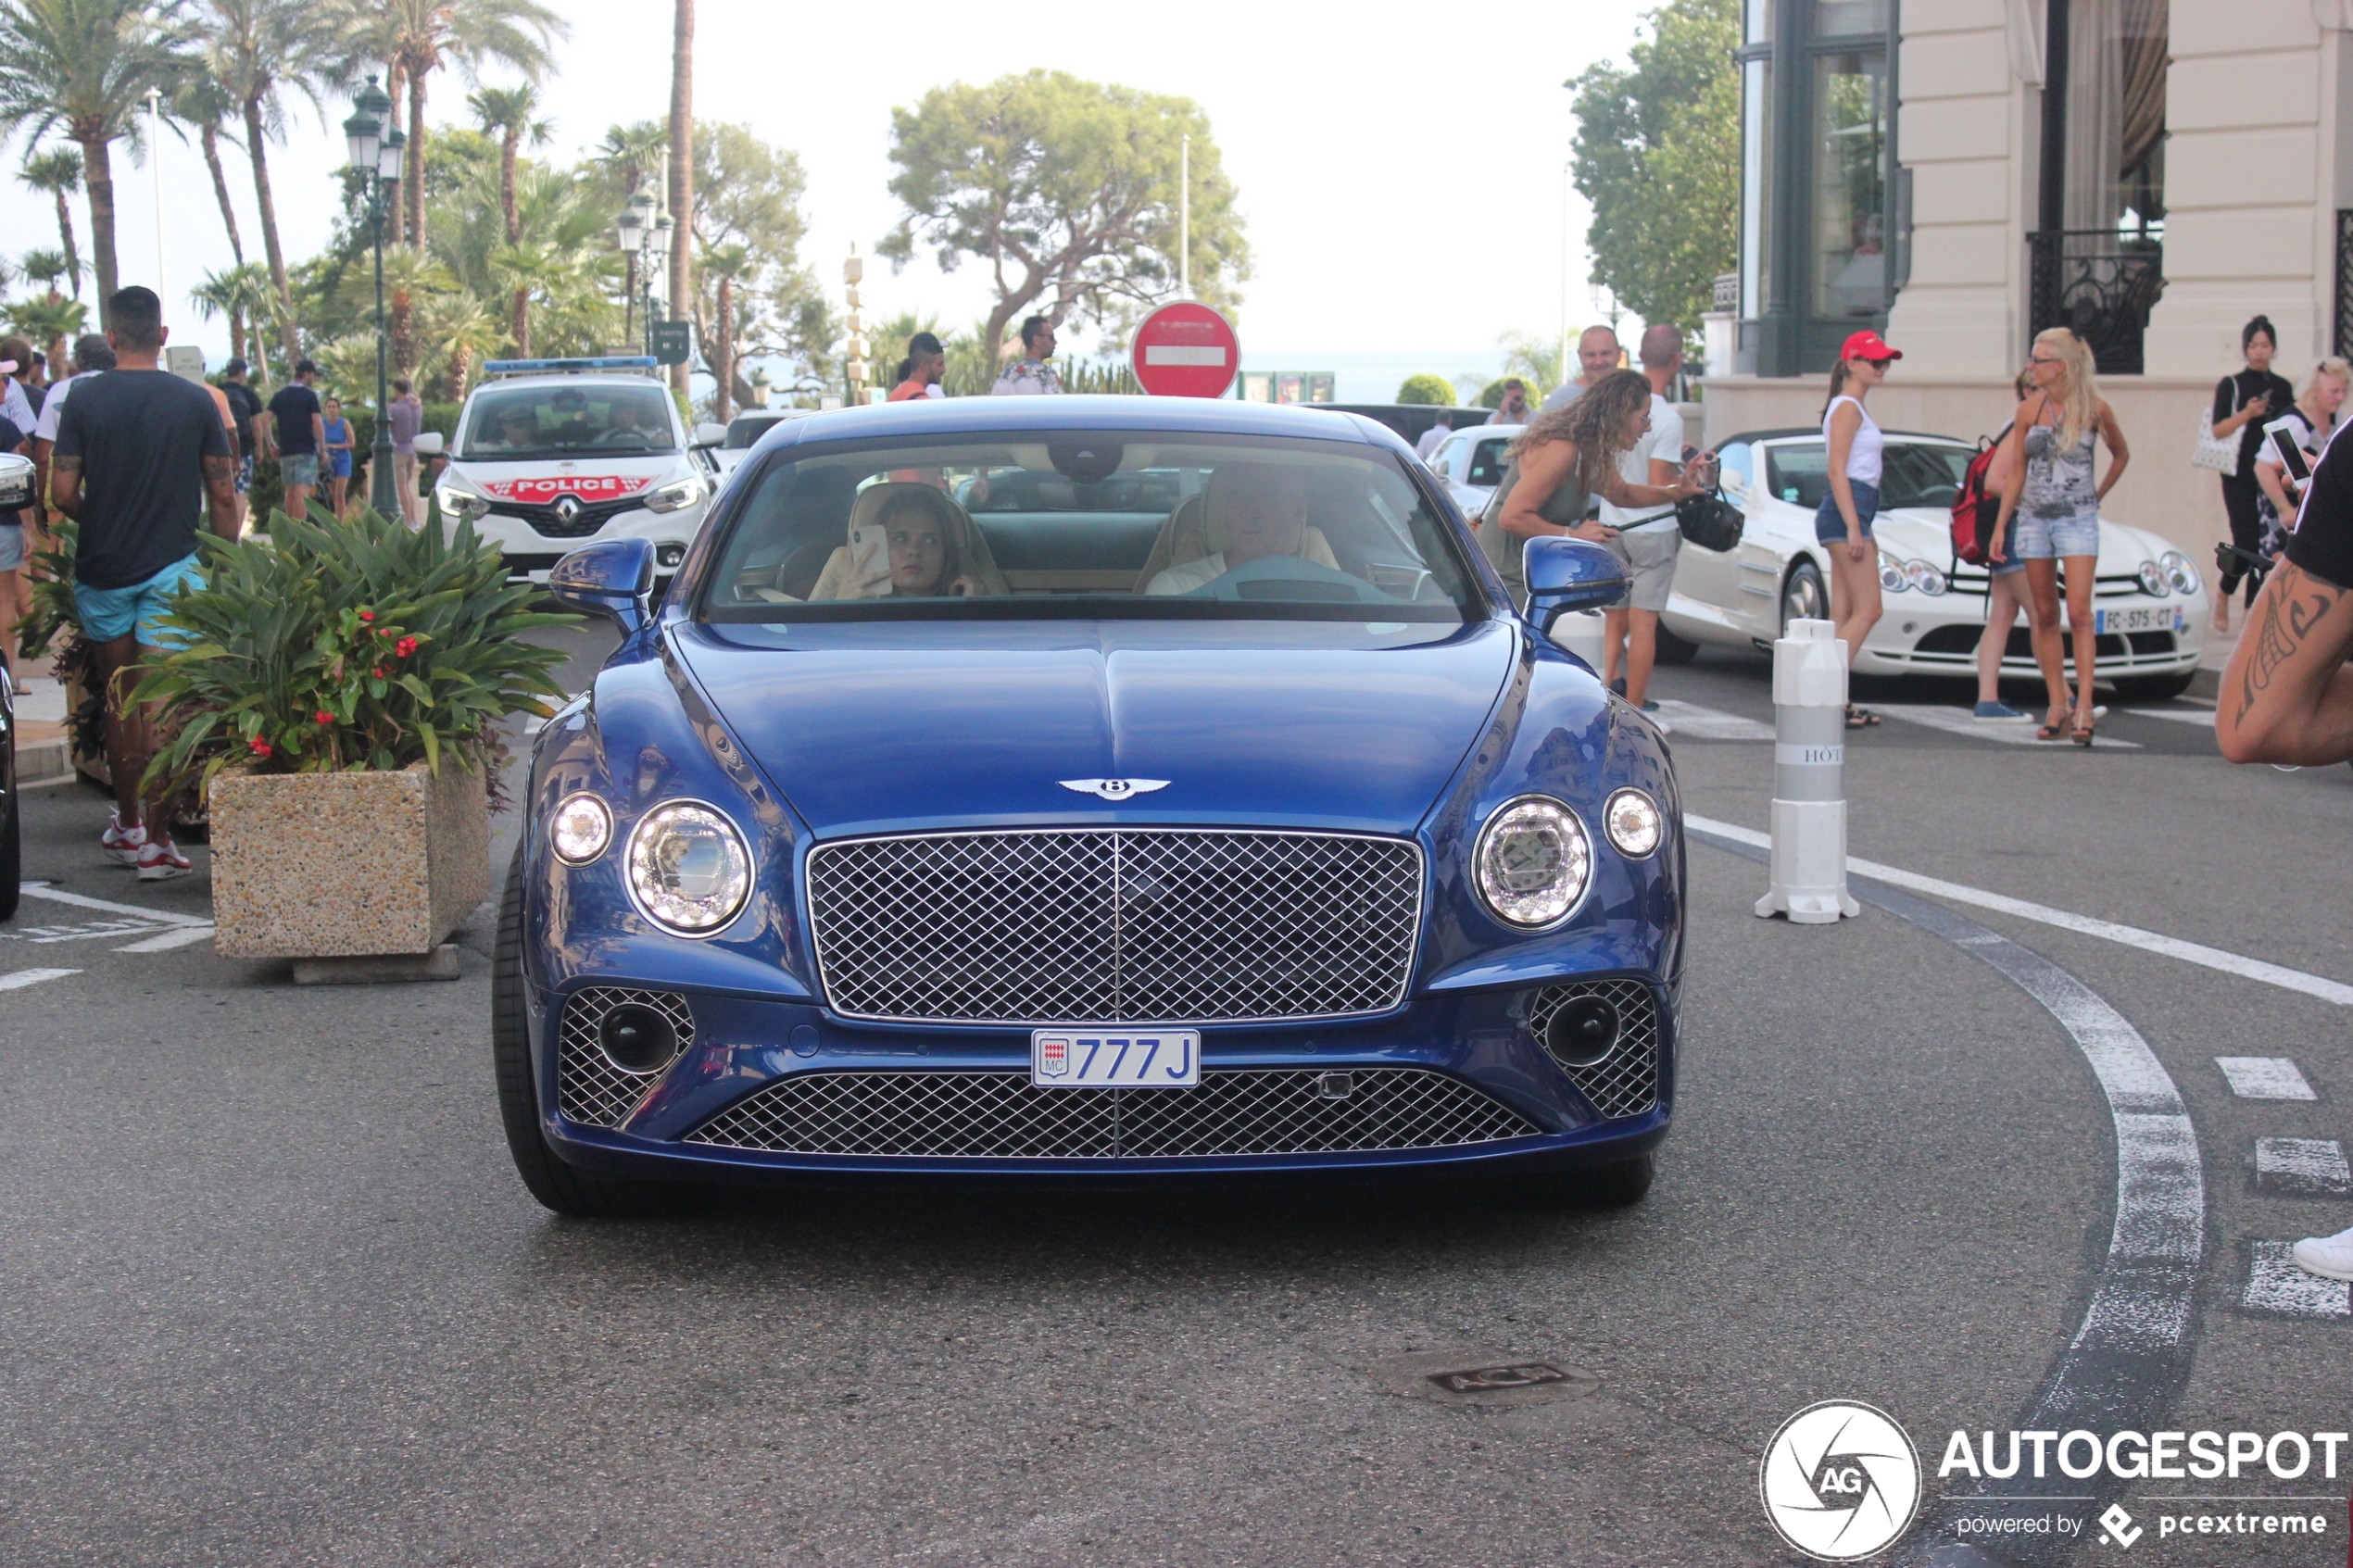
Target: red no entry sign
pixel 1185 350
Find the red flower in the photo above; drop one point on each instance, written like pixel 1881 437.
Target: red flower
pixel 404 648
pixel 383 631
pixel 324 717
pixel 379 672
pixel 260 748
pixel 367 615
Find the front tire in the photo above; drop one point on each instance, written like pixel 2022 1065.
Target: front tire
pixel 1673 649
pixel 1803 596
pixel 553 1183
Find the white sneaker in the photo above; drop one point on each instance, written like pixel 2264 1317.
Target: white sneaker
pixel 122 845
pixel 161 861
pixel 2331 1257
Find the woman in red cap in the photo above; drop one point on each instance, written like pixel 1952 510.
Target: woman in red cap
pixel 1843 522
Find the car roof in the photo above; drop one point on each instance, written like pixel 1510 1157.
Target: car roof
pixel 992 415
pixel 1814 433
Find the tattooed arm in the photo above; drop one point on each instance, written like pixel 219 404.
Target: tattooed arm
pixel 2288 694
pixel 65 484
pixel 220 495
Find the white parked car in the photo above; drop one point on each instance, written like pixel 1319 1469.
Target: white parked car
pixel 743 432
pixel 1471 464
pixel 553 453
pixel 2149 600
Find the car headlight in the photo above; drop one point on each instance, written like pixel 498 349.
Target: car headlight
pixel 1632 821
pixel 1891 573
pixel 1926 578
pixel 463 505
pixel 689 868
pixel 580 829
pixel 1533 861
pixel 676 496
pixel 2181 572
pixel 2153 581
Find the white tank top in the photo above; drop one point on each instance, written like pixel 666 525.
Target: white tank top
pixel 1863 458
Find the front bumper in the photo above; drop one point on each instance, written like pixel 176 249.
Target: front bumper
pixel 529 555
pixel 1459 1067
pixel 1918 634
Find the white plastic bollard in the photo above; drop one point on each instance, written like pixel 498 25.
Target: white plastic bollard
pixel 1809 785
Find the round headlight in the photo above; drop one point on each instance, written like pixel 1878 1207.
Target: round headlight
pixel 2181 572
pixel 580 830
pixel 1632 821
pixel 1924 577
pixel 1891 575
pixel 689 868
pixel 1533 861
pixel 2153 581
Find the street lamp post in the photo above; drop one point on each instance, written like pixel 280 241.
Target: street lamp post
pixel 375 154
pixel 635 227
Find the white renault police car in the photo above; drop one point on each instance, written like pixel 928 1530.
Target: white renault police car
pixel 551 454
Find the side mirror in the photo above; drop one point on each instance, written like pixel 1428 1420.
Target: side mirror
pixel 429 444
pixel 16 482
pixel 610 578
pixel 1570 574
pixel 710 435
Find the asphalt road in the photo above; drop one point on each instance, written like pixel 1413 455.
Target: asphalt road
pixel 275 1296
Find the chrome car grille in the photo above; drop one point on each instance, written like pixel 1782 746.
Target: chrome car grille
pixel 1098 926
pixel 949 1114
pixel 590 1088
pixel 1624 1083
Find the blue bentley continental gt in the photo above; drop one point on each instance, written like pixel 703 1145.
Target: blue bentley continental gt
pixel 1109 789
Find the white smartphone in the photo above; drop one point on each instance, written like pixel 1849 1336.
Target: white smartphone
pixel 2291 455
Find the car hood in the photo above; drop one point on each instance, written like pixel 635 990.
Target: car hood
pixel 1926 534
pixel 865 728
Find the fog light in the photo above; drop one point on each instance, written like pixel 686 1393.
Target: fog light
pixel 580 829
pixel 670 555
pixel 638 1038
pixel 1583 1032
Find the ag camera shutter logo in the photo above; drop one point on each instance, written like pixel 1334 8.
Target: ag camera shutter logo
pixel 1840 1481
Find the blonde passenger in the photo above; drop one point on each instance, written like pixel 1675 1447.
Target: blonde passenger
pixel 2314 418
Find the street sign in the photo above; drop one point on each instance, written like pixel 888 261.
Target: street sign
pixel 1185 350
pixel 669 342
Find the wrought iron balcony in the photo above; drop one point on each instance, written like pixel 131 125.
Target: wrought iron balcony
pixel 2100 284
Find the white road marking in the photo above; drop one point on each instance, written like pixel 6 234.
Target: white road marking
pixel 1710 723
pixel 2129 935
pixel 59 895
pixel 86 930
pixel 20 979
pixel 2275 1285
pixel 2264 1077
pixel 2302 1168
pixel 2202 720
pixel 182 936
pixel 1954 721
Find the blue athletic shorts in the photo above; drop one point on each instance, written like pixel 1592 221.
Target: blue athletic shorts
pixel 108 614
pixel 1830 524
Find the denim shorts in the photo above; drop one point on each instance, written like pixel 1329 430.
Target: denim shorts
pixel 2048 538
pixel 11 546
pixel 107 613
pixel 299 468
pixel 1830 524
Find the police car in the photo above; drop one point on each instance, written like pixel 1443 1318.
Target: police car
pixel 551 454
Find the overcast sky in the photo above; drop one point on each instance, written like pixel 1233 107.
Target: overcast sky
pixel 1400 167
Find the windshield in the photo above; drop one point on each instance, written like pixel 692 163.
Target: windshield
pixel 517 423
pixel 1110 526
pixel 1911 474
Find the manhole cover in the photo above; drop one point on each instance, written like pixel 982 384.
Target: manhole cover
pixel 1481 1377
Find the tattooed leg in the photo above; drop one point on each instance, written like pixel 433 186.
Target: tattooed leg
pixel 2287 696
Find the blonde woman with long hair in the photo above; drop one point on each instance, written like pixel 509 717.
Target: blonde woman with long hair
pixel 2314 418
pixel 2051 514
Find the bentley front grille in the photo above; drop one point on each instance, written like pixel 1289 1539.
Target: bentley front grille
pixel 1101 925
pixel 591 1088
pixel 948 1114
pixel 1625 1081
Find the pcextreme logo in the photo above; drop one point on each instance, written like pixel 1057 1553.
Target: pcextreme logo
pixel 1840 1481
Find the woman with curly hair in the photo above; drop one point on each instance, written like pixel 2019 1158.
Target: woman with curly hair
pixel 1564 457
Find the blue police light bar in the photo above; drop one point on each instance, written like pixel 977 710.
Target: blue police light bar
pixel 568 366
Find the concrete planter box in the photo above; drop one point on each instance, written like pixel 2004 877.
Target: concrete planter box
pixel 344 865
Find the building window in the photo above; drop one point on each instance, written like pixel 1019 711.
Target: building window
pixel 1850 185
pixel 1756 183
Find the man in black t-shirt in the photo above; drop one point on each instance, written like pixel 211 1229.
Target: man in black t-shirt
pixel 297 434
pixel 2287 696
pixel 244 404
pixel 134 444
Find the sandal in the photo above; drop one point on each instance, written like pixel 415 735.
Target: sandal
pixel 1861 718
pixel 2081 734
pixel 2054 731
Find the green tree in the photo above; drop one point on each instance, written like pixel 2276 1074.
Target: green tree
pixel 83 67
pixel 1534 358
pixel 58 172
pixel 507 113
pixel 247 297
pixel 50 319
pixel 1068 192
pixel 1658 156
pixel 1425 388
pixel 203 103
pixel 748 193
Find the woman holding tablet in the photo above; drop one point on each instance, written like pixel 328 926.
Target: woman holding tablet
pixel 2311 422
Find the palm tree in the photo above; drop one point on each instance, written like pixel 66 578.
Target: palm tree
pixel 631 154
pixel 205 104
pixel 413 278
pixel 726 263
pixel 417 37
pixel 50 321
pixel 506 112
pixel 245 295
pixel 682 169
pixel 455 330
pixel 59 171
pixel 84 67
pixel 258 50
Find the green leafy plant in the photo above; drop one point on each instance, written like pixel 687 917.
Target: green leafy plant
pixel 353 647
pixel 1425 388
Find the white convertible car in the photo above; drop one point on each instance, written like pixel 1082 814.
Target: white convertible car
pixel 2150 602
